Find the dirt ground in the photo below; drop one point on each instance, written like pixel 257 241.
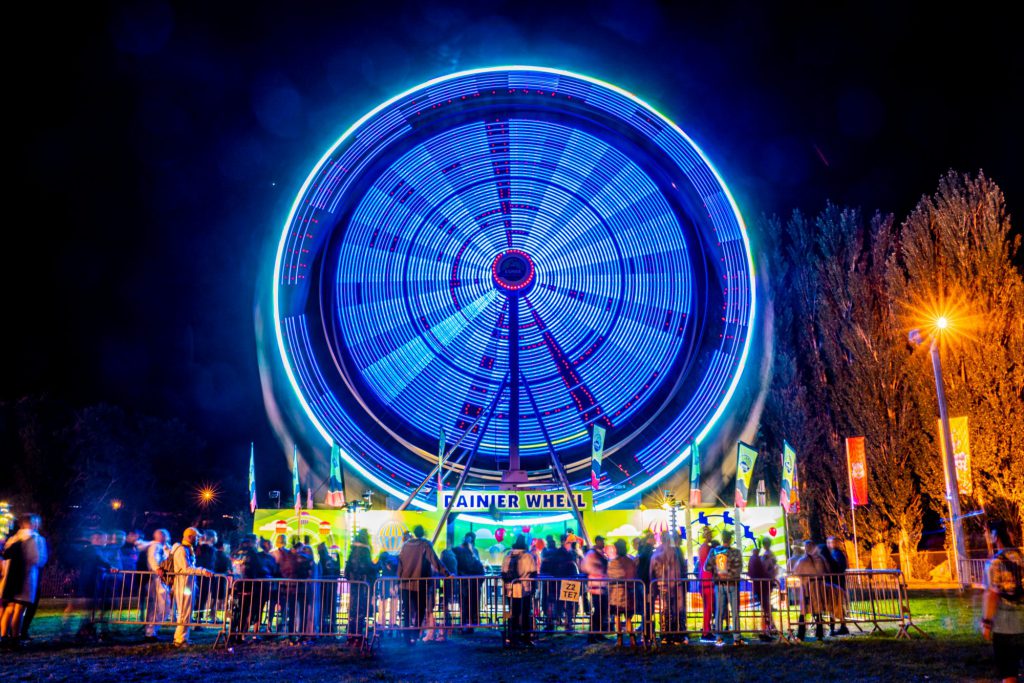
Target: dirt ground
pixel 954 652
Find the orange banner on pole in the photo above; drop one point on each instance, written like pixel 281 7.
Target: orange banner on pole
pixel 857 468
pixel 961 452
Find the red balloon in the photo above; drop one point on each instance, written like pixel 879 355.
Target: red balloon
pixel 526 529
pixel 773 532
pixel 499 534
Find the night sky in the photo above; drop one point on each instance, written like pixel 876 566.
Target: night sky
pixel 157 149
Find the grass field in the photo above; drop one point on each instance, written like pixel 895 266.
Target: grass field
pixel 953 652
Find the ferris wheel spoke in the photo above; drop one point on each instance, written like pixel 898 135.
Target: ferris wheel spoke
pixel 587 405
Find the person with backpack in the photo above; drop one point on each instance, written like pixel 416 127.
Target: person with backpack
pixel 1002 616
pixel 517 569
pixel 184 569
pixel 727 564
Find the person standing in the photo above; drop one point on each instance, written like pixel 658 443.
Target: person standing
pixel 668 574
pixel 767 570
pixel 838 564
pixel 361 573
pixel 1002 616
pixel 205 556
pixel 26 554
pixel 158 600
pixel 595 566
pixel 707 576
pixel 185 572
pixel 517 570
pixel 727 563
pixel 468 564
pixel 415 562
pixel 811 569
pixel 644 553
pixel 247 570
pixel 622 598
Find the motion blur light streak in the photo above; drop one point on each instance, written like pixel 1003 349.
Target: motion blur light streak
pixel 395 269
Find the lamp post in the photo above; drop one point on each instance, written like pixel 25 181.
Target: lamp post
pixel 952 489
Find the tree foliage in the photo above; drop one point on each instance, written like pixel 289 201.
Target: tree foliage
pixel 956 259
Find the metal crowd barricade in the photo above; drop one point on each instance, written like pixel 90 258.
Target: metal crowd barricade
pixel 145 599
pixel 547 605
pixel 973 572
pixel 434 607
pixel 300 608
pixel 693 607
pixel 857 597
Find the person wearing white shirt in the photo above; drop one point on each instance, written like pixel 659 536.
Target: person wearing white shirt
pixel 185 571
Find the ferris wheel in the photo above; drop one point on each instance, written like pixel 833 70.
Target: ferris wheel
pixel 513 256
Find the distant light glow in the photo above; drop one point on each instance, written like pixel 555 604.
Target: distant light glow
pixel 207 494
pixel 116 504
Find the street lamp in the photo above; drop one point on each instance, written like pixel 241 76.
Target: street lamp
pixel 942 323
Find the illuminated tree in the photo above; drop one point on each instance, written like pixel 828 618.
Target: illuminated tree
pixel 840 370
pixel 956 258
pixel 871 392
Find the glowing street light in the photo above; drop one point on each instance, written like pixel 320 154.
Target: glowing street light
pixel 942 326
pixel 116 504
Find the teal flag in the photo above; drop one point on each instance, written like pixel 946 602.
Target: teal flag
pixel 296 491
pixel 596 456
pixel 335 483
pixel 252 478
pixel 694 474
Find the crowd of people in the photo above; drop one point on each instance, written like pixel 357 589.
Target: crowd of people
pixel 629 591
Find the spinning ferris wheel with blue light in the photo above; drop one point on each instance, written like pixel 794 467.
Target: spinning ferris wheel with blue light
pixel 513 256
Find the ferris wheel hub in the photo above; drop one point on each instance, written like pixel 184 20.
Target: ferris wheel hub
pixel 513 272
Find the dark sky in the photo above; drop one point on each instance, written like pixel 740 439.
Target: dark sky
pixel 157 148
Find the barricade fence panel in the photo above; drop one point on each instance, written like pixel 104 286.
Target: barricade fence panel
pixel 694 607
pixel 436 606
pixel 147 599
pixel 973 572
pixel 300 608
pixel 579 605
pixel 663 610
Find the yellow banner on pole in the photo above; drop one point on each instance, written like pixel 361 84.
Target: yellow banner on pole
pixel 961 451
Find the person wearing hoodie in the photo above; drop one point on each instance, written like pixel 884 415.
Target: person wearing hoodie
pixel 361 571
